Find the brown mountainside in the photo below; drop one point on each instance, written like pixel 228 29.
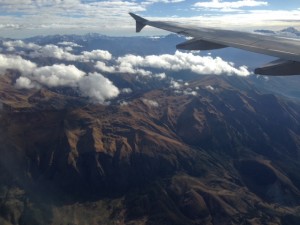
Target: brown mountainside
pixel 224 156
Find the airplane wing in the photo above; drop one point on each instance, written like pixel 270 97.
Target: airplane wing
pixel 286 49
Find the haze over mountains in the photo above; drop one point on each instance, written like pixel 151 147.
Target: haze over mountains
pixel 287 32
pixel 118 130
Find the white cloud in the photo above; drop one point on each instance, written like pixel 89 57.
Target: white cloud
pixel 96 55
pixel 20 44
pixel 10 26
pixel 186 92
pixel 17 63
pixel 53 51
pixel 68 75
pixel 178 62
pixel 104 68
pixel 68 49
pixel 189 91
pixel 209 87
pixel 132 64
pixel 70 44
pixel 128 64
pixel 175 85
pixel 150 102
pixel 98 88
pixel 74 16
pixel 148 2
pixel 219 4
pixel 126 90
pixel 58 75
pixel 245 20
pixel 45 17
pixel 161 76
pixel 94 85
pixel 24 82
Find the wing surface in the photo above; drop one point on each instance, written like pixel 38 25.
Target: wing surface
pixel 286 49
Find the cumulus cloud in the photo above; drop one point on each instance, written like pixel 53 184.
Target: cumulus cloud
pixel 68 75
pixel 93 85
pixel 150 102
pixel 11 45
pixel 175 84
pixel 180 61
pixel 54 51
pixel 104 68
pixel 98 88
pixel 161 76
pixel 25 82
pixel 58 75
pixel 17 63
pixel 96 55
pixel 124 67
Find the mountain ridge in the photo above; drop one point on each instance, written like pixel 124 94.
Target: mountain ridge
pixel 170 148
pixel 222 156
pixel 288 32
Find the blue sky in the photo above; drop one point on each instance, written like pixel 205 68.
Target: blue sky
pixel 24 18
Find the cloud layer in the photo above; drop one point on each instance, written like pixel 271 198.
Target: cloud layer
pixel 180 61
pixel 16 62
pixel 39 17
pixel 218 4
pixel 54 51
pixel 93 85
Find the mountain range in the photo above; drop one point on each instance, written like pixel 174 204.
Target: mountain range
pixel 287 32
pixel 186 149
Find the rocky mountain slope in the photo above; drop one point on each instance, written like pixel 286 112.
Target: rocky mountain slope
pixel 222 152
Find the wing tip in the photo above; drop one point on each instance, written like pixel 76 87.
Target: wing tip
pixel 140 21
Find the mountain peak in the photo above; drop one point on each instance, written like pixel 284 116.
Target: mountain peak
pixel 291 30
pixel 286 32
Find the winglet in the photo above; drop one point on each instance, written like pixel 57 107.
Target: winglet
pixel 140 22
